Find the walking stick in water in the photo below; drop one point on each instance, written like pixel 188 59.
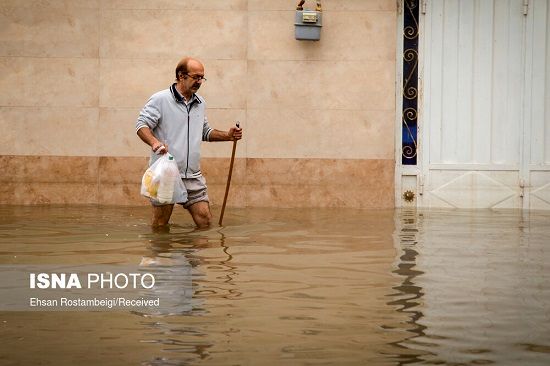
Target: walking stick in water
pixel 228 179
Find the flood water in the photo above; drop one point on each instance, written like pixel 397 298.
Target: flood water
pixel 295 287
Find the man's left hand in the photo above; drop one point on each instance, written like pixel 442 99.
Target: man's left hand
pixel 235 133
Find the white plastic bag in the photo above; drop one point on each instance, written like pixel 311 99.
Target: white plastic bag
pixel 162 183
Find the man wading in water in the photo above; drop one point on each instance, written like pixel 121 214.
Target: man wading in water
pixel 174 120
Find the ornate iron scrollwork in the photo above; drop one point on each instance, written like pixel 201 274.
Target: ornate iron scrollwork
pixel 410 83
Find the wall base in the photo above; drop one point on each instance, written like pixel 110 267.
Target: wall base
pixel 351 183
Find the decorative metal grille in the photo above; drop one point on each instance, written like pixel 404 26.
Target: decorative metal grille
pixel 410 82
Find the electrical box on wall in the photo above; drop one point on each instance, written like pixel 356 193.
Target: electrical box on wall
pixel 308 23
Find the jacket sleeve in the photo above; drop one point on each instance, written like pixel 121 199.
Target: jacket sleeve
pixel 206 130
pixel 149 115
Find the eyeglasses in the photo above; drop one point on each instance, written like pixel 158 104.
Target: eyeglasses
pixel 196 77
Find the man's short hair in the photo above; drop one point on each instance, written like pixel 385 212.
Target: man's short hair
pixel 182 67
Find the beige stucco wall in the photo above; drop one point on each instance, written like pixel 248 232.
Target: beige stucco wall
pixel 318 116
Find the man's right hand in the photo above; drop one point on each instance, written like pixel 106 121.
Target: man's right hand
pixel 159 148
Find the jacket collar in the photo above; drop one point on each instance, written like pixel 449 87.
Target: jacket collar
pixel 179 98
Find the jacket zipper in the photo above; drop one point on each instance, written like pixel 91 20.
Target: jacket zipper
pixel 188 107
pixel 188 141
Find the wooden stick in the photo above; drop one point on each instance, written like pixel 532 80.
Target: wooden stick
pixel 228 179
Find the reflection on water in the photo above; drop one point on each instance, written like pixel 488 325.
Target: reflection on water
pixel 330 286
pixel 475 286
pixel 407 297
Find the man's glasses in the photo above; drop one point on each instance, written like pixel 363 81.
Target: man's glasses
pixel 196 77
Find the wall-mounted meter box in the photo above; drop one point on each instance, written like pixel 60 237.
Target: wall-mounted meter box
pixel 308 25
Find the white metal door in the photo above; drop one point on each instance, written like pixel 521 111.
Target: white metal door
pixel 536 158
pixel 484 121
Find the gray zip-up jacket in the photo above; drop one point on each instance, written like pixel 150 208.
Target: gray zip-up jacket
pixel 182 127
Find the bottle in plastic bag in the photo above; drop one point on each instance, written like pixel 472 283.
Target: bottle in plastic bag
pixel 168 175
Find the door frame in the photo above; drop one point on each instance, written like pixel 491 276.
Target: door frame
pixel 414 177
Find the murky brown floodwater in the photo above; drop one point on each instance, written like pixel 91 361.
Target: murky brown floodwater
pixel 296 287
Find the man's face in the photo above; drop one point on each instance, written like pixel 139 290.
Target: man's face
pixel 192 81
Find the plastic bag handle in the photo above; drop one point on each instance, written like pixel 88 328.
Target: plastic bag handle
pixel 301 3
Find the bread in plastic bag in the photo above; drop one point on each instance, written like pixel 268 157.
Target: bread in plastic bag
pixel 162 183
